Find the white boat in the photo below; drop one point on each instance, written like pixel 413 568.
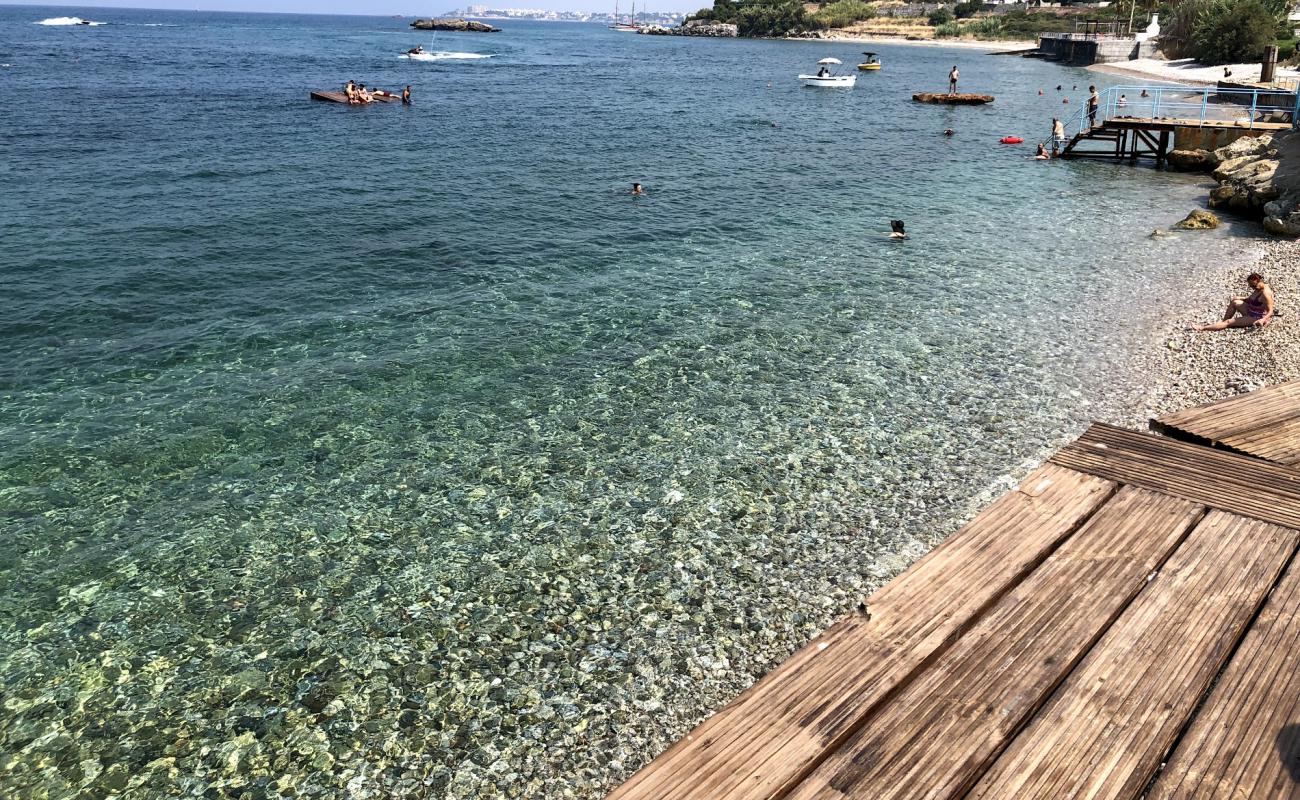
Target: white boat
pixel 825 77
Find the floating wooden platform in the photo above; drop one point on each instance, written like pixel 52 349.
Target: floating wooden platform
pixel 340 97
pixel 1124 622
pixel 953 99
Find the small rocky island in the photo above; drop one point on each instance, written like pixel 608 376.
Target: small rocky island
pixel 447 24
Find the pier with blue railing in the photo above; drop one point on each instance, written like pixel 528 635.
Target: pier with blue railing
pixel 1133 122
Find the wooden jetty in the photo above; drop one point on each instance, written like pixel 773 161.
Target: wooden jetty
pixel 340 97
pixel 953 99
pixel 1122 625
pixel 1158 119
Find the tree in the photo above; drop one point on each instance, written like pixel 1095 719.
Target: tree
pixel 968 8
pixel 1232 31
pixel 940 16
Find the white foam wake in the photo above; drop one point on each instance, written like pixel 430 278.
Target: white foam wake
pixel 440 56
pixel 68 21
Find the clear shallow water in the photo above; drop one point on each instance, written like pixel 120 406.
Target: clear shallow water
pixel 399 452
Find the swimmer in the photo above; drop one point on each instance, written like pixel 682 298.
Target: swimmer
pixel 636 189
pixel 897 231
pixel 949 132
pixel 1041 155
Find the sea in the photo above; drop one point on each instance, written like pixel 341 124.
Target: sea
pixel 400 451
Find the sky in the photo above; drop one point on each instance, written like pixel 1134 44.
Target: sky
pixel 410 8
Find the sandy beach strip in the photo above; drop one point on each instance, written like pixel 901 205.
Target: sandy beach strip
pixel 1188 72
pixel 999 46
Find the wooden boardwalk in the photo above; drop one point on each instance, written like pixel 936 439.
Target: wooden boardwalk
pixel 1264 424
pixel 1132 605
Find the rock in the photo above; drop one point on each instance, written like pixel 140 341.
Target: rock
pixel 1245 147
pixel 1221 195
pixel 447 24
pixel 704 27
pixel 1228 167
pixel 1283 224
pixel 1198 220
pixel 1190 160
pixel 953 99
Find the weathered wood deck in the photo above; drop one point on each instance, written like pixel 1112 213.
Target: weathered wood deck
pixel 1264 424
pixel 1062 644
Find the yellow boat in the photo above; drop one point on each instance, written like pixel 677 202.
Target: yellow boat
pixel 871 63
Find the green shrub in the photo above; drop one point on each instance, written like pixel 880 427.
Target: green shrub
pixel 843 13
pixel 987 28
pixel 947 30
pixel 941 16
pixel 968 8
pixel 1232 31
pixel 1285 49
pixel 1177 29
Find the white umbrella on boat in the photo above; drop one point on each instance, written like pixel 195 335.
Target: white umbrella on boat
pixel 829 79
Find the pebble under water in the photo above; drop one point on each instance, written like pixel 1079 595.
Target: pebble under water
pixel 399 452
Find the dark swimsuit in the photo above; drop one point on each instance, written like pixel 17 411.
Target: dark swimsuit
pixel 1256 305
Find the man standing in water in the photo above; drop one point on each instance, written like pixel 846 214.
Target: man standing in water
pixel 1094 100
pixel 953 75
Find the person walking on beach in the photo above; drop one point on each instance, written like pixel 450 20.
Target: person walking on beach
pixel 1256 309
pixel 1058 136
pixel 953 75
pixel 1094 100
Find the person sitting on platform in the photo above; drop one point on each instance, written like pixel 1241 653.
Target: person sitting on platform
pixel 1256 309
pixel 362 95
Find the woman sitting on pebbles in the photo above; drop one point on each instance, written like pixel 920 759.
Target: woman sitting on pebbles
pixel 1256 309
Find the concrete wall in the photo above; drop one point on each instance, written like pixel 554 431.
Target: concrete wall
pixel 1084 51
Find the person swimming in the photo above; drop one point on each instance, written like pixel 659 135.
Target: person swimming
pixel 896 229
pixel 636 189
pixel 949 132
pixel 1042 154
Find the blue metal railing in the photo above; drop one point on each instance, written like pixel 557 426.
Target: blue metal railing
pixel 1245 107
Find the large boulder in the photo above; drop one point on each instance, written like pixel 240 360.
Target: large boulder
pixel 1190 160
pixel 1198 220
pixel 1282 216
pixel 1246 146
pixel 1222 195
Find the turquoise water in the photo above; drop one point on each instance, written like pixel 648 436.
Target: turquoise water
pixel 399 452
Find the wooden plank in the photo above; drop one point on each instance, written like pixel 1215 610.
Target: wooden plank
pixel 1105 731
pixel 775 733
pixel 1235 415
pixel 1279 442
pixel 1216 478
pixel 939 734
pixel 1245 742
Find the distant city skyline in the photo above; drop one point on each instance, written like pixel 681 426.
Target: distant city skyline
pixel 377 8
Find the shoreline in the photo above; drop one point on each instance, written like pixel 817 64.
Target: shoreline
pixel 1185 71
pixel 969 44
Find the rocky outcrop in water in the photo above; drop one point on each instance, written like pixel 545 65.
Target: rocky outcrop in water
pixel 443 24
pixel 1198 220
pixel 1258 177
pixel 695 27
